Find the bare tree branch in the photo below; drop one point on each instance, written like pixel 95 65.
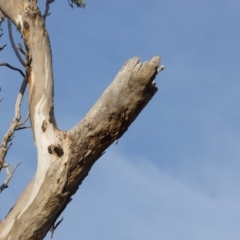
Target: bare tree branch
pixel 13 68
pixel 161 68
pixel 10 143
pixel 1 98
pixel 21 125
pixel 13 44
pixel 1 48
pixel 46 13
pixel 54 227
pixel 20 48
pixel 9 176
pixel 1 19
pixel 65 157
pixel 9 134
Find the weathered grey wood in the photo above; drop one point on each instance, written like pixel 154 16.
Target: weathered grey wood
pixel 65 158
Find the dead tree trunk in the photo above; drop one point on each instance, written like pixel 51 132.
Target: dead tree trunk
pixel 65 158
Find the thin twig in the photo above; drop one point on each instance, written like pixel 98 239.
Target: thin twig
pixel 46 13
pixel 6 141
pixel 22 127
pixel 13 44
pixel 1 19
pixel 1 48
pixel 13 68
pixel 1 98
pixel 9 176
pixel 25 120
pixel 20 48
pixel 54 227
pixel 161 68
pixel 10 140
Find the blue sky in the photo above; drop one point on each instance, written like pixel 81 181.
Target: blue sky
pixel 175 174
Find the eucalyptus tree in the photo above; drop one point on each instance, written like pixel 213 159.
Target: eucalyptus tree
pixel 64 157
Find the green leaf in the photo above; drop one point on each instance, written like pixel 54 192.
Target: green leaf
pixel 78 3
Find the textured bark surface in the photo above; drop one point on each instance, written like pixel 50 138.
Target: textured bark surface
pixel 65 158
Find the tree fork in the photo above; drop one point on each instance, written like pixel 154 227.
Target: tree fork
pixel 65 158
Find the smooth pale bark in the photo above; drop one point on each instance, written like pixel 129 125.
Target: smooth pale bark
pixel 65 158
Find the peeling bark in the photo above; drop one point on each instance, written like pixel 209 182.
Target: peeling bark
pixel 65 158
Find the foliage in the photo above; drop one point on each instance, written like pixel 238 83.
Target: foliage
pixel 78 3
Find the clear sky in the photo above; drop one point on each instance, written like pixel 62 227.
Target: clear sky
pixel 175 174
